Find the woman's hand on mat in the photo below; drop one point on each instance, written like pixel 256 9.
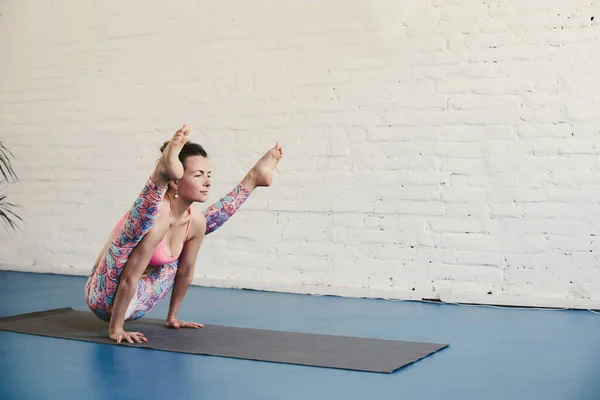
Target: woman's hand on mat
pixel 131 337
pixel 176 324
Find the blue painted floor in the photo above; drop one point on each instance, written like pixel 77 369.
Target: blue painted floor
pixel 494 353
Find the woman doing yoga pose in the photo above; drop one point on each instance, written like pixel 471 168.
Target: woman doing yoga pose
pixel 154 246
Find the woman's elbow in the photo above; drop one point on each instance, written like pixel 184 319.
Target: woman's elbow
pixel 186 278
pixel 128 280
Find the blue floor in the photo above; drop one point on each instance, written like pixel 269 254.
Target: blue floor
pixel 493 353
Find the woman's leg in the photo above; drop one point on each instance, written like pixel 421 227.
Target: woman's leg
pixel 151 289
pixel 261 174
pixel 101 286
pixel 217 214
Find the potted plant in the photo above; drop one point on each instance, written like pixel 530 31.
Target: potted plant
pixel 7 176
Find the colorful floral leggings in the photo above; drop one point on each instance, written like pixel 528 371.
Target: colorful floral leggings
pixel 101 286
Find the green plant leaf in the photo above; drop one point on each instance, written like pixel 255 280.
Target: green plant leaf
pixel 7 215
pixel 7 174
pixel 6 169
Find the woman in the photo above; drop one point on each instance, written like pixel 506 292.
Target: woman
pixel 154 246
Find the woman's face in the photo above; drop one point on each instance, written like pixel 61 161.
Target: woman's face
pixel 194 184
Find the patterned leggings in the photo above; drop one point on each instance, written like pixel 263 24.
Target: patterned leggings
pixel 101 286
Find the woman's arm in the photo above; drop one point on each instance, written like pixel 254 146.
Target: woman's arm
pixel 185 271
pixel 132 271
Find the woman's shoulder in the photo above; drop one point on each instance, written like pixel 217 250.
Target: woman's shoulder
pixel 198 221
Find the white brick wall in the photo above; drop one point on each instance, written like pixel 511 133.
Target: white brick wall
pixel 440 149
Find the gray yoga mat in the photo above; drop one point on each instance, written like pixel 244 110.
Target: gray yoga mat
pixel 371 355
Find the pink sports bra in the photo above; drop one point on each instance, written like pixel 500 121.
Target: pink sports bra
pixel 159 256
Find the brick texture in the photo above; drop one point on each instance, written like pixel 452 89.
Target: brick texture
pixel 432 147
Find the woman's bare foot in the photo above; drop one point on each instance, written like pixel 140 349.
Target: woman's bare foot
pixel 262 172
pixel 169 167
